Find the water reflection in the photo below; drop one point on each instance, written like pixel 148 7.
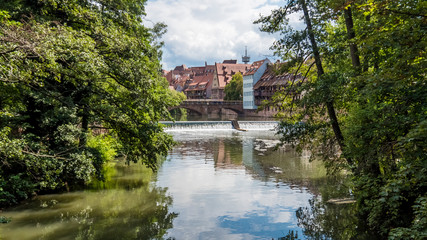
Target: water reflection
pixel 327 221
pixel 127 206
pixel 223 187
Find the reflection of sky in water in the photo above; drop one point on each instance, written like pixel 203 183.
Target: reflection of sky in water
pixel 226 203
pixel 220 186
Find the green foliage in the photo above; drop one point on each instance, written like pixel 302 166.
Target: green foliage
pixel 15 188
pixel 234 89
pixel 68 65
pixel 4 219
pixel 380 103
pixel 386 123
pixel 178 95
pixel 418 229
pixel 104 148
pixel 105 145
pixel 290 236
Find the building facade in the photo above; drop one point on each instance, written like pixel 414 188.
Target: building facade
pixel 250 78
pixel 223 74
pixel 194 82
pixel 200 87
pixel 271 82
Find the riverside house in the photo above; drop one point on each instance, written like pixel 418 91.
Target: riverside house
pixel 223 75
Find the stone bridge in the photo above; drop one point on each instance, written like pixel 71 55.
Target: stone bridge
pixel 208 106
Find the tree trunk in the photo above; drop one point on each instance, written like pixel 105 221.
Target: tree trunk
pixel 85 126
pixel 329 103
pixel 354 53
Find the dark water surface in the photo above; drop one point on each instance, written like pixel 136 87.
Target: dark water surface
pixel 213 185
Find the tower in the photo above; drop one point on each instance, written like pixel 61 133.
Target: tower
pixel 246 58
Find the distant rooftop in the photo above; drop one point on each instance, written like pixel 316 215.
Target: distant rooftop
pixel 181 68
pixel 231 61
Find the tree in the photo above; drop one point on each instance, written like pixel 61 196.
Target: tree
pixel 69 67
pixel 234 89
pixel 322 90
pixel 374 74
pixel 386 122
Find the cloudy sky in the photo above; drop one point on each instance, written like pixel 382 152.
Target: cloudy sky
pixel 212 30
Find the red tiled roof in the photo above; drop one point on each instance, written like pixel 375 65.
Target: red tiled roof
pixel 203 70
pixel 205 79
pixel 226 71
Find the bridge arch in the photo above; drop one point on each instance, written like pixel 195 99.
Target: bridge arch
pixel 237 111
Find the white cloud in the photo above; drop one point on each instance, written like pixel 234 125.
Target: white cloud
pixel 206 30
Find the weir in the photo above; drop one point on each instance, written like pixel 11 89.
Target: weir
pixel 219 125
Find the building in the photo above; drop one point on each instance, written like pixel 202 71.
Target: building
pixel 200 87
pixel 250 78
pixel 178 77
pixel 223 74
pixel 195 82
pixel 271 82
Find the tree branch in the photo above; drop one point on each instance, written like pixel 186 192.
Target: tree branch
pixel 43 155
pixel 6 52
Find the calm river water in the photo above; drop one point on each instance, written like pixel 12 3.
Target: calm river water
pixel 215 184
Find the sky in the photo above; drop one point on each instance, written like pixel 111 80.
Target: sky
pixel 211 31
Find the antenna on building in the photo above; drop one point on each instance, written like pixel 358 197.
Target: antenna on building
pixel 246 58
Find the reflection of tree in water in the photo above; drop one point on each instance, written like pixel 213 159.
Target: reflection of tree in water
pixel 324 220
pixel 138 210
pixel 149 219
pixel 126 206
pixel 320 220
pixel 327 221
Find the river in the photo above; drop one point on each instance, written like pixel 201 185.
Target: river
pixel 217 183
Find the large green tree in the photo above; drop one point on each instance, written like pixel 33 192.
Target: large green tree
pixel 69 67
pixel 234 89
pixel 367 59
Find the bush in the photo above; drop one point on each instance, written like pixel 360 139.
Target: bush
pixel 104 149
pixel 14 189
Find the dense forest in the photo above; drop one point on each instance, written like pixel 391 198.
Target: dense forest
pixel 361 104
pixel 80 84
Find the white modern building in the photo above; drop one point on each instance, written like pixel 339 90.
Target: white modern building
pixel 250 77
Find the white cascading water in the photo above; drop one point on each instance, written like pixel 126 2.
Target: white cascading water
pixel 218 125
